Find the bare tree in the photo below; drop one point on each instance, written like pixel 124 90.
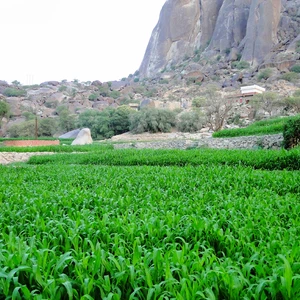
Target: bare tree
pixel 216 108
pixel 267 101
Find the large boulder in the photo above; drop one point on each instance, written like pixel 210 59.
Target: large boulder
pixel 83 138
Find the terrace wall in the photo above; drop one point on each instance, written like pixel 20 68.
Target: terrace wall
pixel 273 141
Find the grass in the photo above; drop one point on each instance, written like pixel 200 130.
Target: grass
pixel 263 127
pixel 151 224
pixel 258 159
pixel 148 232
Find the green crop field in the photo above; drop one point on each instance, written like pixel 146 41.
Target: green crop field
pixel 269 126
pixel 144 224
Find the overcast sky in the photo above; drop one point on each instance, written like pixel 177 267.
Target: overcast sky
pixel 74 39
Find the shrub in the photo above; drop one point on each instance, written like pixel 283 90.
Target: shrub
pixel 295 69
pixel 264 74
pixel 4 109
pixel 293 101
pixel 62 88
pixel 152 120
pixel 290 76
pixel 191 121
pixel 136 79
pixel 163 81
pixel 46 127
pixel 106 123
pixel 13 92
pixel 93 97
pixel 66 121
pixel 240 65
pixel 115 94
pixel 291 133
pixel 298 47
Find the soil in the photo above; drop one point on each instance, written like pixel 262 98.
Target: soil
pixel 11 157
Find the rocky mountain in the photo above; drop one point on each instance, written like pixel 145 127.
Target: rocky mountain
pixel 255 31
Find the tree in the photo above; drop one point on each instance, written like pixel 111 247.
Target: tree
pixel 190 121
pixel 152 120
pixel 66 121
pixel 4 109
pixel 16 83
pixel 266 101
pixel 107 123
pixel 293 101
pixel 47 127
pixel 216 108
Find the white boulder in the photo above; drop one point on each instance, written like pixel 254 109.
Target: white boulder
pixel 83 138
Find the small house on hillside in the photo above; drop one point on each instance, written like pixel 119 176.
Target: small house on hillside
pixel 251 90
pixel 247 92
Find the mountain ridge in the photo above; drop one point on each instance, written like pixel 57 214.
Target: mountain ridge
pixel 240 29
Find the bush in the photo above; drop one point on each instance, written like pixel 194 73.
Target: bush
pixel 290 76
pixel 106 123
pixel 93 97
pixel 190 121
pixel 46 127
pixel 152 120
pixel 136 79
pixel 293 101
pixel 298 47
pixel 62 88
pixel 295 69
pixel 66 121
pixel 264 74
pixel 291 133
pixel 240 65
pixel 115 94
pixel 13 92
pixel 4 109
pixel 163 81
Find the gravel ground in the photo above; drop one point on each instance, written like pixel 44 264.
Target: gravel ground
pixel 11 157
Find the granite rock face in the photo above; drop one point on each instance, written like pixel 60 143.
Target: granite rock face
pixel 250 29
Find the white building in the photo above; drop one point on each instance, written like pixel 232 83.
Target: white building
pixel 252 90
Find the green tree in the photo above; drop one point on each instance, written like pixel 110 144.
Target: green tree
pixel 266 101
pixel 293 101
pixel 66 121
pixel 152 120
pixel 46 127
pixel 190 121
pixel 16 83
pixel 264 74
pixel 14 92
pixel 4 109
pixel 107 123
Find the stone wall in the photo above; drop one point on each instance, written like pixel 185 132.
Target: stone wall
pixel 246 142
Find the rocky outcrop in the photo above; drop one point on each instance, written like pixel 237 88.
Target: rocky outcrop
pixel 176 34
pixel 83 138
pixel 250 29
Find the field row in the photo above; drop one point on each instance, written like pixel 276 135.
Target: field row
pixel 258 159
pixel 148 232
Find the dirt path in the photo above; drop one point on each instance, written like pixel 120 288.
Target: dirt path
pixel 11 157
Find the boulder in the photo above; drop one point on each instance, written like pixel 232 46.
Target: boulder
pixel 51 83
pixel 97 83
pixel 70 135
pixel 83 138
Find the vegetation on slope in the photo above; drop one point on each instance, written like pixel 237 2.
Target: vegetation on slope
pixel 269 126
